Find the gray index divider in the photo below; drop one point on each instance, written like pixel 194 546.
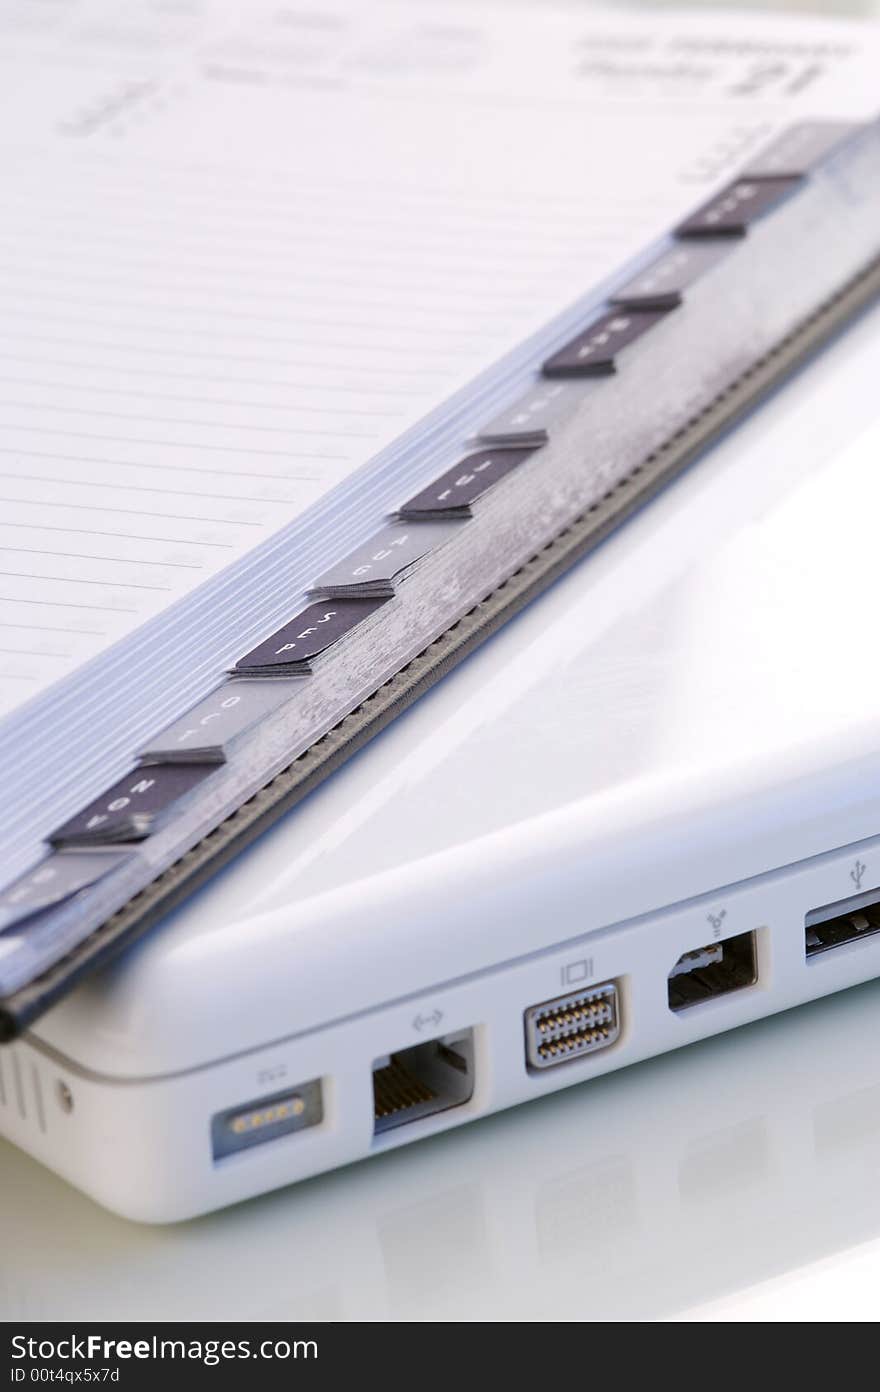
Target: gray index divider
pixel 57 877
pixel 133 806
pixel 384 558
pixel 535 415
pixel 312 633
pixel 207 731
pixel 660 284
pixel 595 350
pixel 800 149
pixel 798 276
pixel 744 202
pixel 453 493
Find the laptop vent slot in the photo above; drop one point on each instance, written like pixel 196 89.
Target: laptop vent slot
pixel 22 1092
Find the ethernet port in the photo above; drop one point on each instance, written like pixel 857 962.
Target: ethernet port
pixel 422 1080
pixel 715 970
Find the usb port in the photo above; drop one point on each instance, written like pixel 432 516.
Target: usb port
pixel 849 920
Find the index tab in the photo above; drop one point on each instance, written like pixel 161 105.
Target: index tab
pixel 452 493
pixel 291 649
pixel 208 729
pixel 732 211
pixel 532 418
pixel 132 808
pixel 387 557
pixel 800 148
pixel 594 352
pixel 660 284
pixel 56 878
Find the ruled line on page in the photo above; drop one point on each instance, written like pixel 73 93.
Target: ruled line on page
pixel 200 400
pixel 133 512
pixel 480 262
pixel 228 259
pixel 30 652
pixel 439 237
pixel 393 315
pixel 378 261
pixel 190 331
pixel 346 434
pixel 91 531
pixel 128 440
pixel 215 267
pixel 251 286
pixel 171 468
pixel 141 488
pixel 179 173
pixel 392 319
pixel 90 556
pixel 289 196
pixel 146 349
pixel 47 628
pixel 66 604
pixel 329 387
pixel 70 580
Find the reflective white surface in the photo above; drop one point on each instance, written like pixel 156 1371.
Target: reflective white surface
pixel 734 1179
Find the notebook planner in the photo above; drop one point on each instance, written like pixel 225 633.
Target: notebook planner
pixel 247 392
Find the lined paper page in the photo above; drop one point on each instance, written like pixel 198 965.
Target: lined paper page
pixel 191 353
pixel 162 409
pixel 247 249
pixel 174 386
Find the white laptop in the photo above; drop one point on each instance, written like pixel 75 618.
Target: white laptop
pixel 645 812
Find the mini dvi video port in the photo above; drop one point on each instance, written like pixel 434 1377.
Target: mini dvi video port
pixel 571 1026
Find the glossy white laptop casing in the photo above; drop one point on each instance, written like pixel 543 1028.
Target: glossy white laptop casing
pixel 685 730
